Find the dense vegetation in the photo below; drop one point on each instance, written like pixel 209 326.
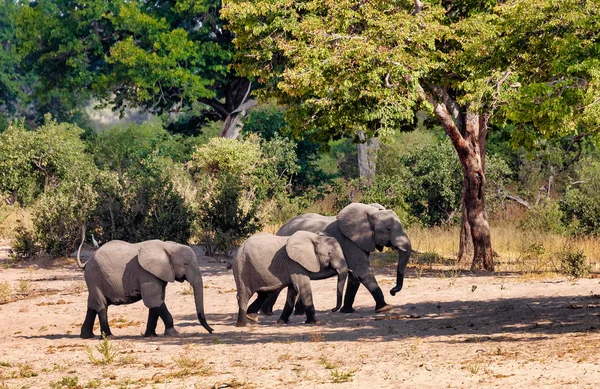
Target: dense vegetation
pixel 329 74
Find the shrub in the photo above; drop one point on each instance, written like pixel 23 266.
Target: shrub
pixel 236 179
pixel 32 162
pixel 23 244
pixel 581 202
pixel 59 214
pixel 147 202
pixel 574 263
pixel 545 217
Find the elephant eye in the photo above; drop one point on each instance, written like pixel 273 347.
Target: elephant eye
pixel 389 228
pixel 329 253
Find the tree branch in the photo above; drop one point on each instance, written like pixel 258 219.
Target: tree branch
pixel 517 199
pixel 418 7
pixel 450 103
pixel 218 107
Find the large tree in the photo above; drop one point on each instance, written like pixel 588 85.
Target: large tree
pixel 165 57
pixel 355 66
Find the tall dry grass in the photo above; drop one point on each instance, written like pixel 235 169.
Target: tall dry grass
pixel 518 250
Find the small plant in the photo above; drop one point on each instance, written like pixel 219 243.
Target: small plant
pixel 216 340
pixel 317 337
pixel 25 371
pixel 327 364
pixel 107 355
pixel 473 369
pixel 574 263
pixel 66 383
pixel 284 357
pixel 4 292
pixel 93 384
pixel 25 287
pixel 187 290
pixel 5 364
pixel 473 288
pixel 338 377
pixel 189 365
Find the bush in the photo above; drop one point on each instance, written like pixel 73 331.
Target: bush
pixel 581 202
pixel 23 244
pixel 545 217
pixel 225 219
pixel 147 202
pixel 574 263
pixel 236 179
pixel 32 162
pixel 59 214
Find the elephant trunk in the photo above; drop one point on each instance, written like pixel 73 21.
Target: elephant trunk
pixel 81 265
pixel 404 247
pixel 342 276
pixel 195 278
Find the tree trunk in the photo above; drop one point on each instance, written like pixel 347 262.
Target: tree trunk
pixel 468 133
pixel 465 248
pixel 367 157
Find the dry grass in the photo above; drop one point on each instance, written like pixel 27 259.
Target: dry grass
pixel 9 217
pixel 518 250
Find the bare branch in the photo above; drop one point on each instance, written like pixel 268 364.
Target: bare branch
pixel 518 200
pixel 418 7
pixel 450 103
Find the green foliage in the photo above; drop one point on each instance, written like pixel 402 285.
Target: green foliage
pixel 236 178
pixel 546 217
pixel 105 349
pixel 32 162
pixel 391 192
pixel 581 201
pixel 151 200
pixel 157 56
pixel 59 214
pixel 24 245
pixel 66 383
pixel 12 77
pixel 574 263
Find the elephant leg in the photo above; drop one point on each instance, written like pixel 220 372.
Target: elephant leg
pixel 257 304
pixel 242 319
pixel 87 329
pixel 370 283
pixel 302 284
pixel 103 318
pixel 152 322
pixel 166 317
pixel 288 307
pixel 299 308
pixel 267 307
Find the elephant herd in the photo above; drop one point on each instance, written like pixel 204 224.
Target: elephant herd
pixel 308 247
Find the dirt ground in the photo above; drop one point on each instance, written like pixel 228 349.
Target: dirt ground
pixel 482 331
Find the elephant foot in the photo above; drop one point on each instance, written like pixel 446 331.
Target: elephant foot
pixel 281 321
pixel 267 313
pixel 172 332
pixel 150 335
pixel 105 336
pixel 299 312
pixel 252 317
pixel 385 308
pixel 313 322
pixel 241 324
pixel 87 335
pixel 347 310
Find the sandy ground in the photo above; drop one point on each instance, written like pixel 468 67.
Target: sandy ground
pixel 467 331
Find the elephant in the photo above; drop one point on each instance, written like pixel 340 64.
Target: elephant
pixel 267 263
pixel 359 229
pixel 124 273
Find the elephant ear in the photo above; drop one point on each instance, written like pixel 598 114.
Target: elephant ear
pixel 355 223
pixel 155 260
pixel 300 248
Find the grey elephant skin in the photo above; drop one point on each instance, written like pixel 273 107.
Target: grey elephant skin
pixel 124 273
pixel 265 264
pixel 360 229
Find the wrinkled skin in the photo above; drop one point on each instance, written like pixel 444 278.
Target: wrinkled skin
pixel 123 273
pixel 360 229
pixel 265 264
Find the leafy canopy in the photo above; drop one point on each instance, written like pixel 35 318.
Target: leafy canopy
pixel 159 56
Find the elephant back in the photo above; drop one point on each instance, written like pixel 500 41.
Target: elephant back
pixel 312 222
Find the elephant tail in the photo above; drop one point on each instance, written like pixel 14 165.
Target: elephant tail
pixel 81 265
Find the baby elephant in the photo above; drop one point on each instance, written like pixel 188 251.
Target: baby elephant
pixel 267 263
pixel 123 273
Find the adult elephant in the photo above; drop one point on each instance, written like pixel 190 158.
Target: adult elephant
pixel 360 229
pixel 123 273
